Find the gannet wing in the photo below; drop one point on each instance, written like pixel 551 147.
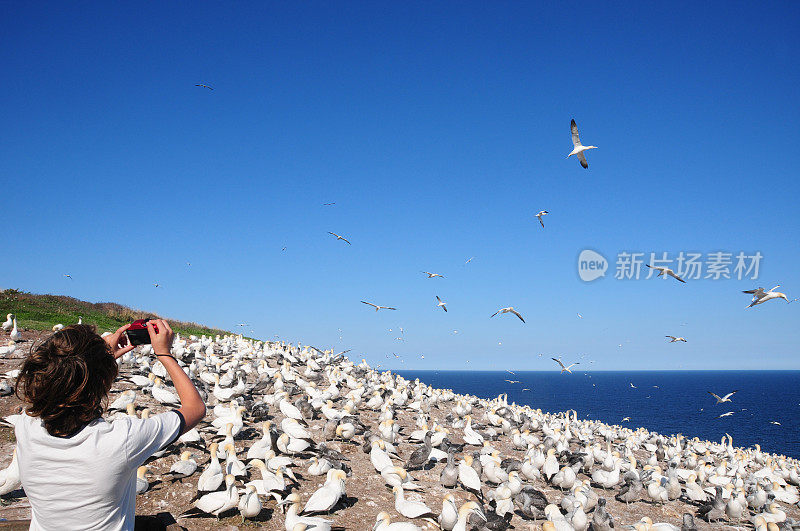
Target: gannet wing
pixel 715 396
pixel 776 287
pixel 582 158
pixel 559 362
pixel 676 277
pixel 346 240
pixel 495 313
pixel 671 337
pixel 518 315
pixel 540 220
pixel 730 394
pixel 373 305
pixel 575 139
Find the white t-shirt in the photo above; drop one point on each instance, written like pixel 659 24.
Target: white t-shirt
pixel 88 481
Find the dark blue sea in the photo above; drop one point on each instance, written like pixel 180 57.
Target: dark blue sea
pixel 668 402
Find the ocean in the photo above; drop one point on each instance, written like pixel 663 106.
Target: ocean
pixel 668 402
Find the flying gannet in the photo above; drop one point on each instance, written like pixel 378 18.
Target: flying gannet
pixel 540 214
pixel 379 307
pixel 673 339
pixel 565 368
pixel 665 270
pixel 340 238
pixel 760 296
pixel 726 398
pixel 441 304
pixel 579 148
pixel 433 275
pixel 510 309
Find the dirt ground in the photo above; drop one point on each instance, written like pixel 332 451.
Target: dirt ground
pixel 367 494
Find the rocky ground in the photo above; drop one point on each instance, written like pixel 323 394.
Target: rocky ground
pixel 166 501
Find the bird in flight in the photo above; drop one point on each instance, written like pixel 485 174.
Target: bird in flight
pixel 204 86
pixel 379 307
pixel 626 419
pixel 728 414
pixel 68 276
pixel 775 422
pixel 242 324
pixel 283 249
pixel 513 381
pixel 579 148
pixel 673 339
pixel 726 398
pixel 510 309
pixel 580 316
pixel 667 271
pixel 526 389
pixel 328 204
pixel 156 285
pixel 468 261
pixel 632 386
pixel 340 238
pixel 441 304
pixel 540 214
pixel 563 368
pixel 511 372
pixel 433 275
pixel 760 296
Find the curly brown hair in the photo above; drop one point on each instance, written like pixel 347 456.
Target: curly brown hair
pixel 66 379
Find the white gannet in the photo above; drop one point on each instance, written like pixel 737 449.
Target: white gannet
pixel 540 214
pixel 327 496
pixel 122 401
pixel 292 518
pixel 666 271
pixel 141 481
pixel 339 237
pixel 15 335
pixel 9 322
pixel 218 502
pixel 9 477
pixel 379 307
pixel 162 394
pixel 510 309
pixel 383 522
pixel 441 304
pixel 409 508
pixel 212 476
pixel 563 367
pixel 760 296
pixel 185 466
pixel 249 504
pixel 203 85
pixel 579 148
pixel 726 398
pixel 433 275
pixel 673 339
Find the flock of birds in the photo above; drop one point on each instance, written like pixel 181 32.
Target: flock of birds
pixel 280 415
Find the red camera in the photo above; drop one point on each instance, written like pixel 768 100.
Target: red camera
pixel 137 333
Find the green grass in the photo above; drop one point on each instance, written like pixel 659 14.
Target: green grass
pixel 41 312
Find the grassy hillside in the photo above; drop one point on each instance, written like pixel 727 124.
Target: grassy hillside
pixel 41 312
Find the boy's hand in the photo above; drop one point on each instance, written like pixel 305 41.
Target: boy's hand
pixel 161 340
pixel 118 342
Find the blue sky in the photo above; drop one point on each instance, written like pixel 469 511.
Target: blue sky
pixel 438 131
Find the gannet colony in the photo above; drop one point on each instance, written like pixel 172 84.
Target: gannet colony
pixel 299 438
